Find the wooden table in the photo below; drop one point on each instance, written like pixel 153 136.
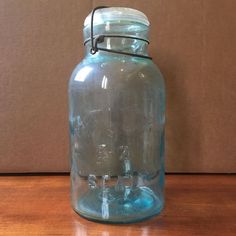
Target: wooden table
pixel 195 205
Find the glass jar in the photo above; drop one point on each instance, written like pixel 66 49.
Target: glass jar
pixel 116 113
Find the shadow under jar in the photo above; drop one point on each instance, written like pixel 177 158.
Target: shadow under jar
pixel 116 113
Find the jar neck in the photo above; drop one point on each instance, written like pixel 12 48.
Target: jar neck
pixel 127 38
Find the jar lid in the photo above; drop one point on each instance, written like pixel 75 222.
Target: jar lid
pixel 110 14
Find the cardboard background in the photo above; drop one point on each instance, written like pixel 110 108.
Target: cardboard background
pixel 193 43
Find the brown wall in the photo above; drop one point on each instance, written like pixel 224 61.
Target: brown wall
pixel 193 42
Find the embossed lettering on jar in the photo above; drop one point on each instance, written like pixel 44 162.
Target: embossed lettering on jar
pixel 116 112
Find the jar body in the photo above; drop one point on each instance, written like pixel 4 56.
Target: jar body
pixel 117 106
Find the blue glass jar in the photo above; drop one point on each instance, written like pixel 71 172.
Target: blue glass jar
pixel 116 112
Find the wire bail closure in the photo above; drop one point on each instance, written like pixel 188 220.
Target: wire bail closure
pixel 100 39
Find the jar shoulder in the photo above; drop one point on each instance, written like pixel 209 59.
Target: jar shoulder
pixel 119 70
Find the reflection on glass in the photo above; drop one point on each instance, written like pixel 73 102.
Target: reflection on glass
pixel 104 82
pixel 83 73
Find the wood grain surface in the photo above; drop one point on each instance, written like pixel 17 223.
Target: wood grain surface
pixel 195 205
pixel 192 42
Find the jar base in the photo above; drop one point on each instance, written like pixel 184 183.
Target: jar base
pixel 127 206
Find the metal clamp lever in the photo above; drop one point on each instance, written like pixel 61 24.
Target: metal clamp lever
pixel 100 39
